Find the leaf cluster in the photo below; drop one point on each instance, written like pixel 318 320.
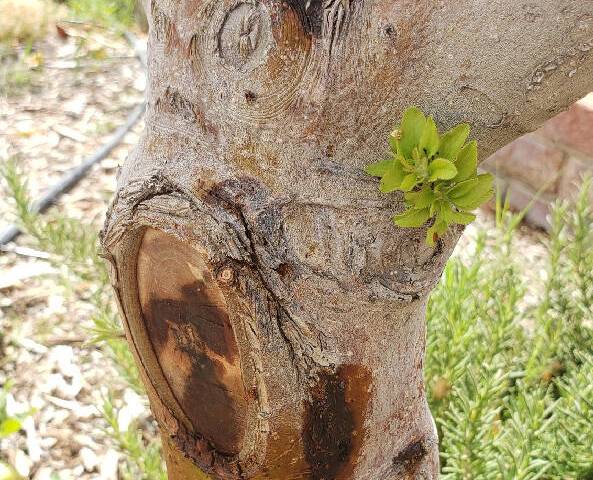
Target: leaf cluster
pixel 437 173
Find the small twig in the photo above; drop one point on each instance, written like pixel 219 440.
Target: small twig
pixel 24 251
pixel 53 342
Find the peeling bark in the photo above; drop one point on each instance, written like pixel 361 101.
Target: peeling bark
pixel 275 313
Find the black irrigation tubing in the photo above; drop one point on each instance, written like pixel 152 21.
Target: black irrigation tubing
pixel 70 179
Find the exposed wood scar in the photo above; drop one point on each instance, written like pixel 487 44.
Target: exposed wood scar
pixel 188 324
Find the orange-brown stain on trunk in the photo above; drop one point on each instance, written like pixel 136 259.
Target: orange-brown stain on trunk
pixel 187 321
pixel 333 433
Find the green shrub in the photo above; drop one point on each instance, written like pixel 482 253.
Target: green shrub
pixel 73 248
pixel 511 387
pixel 109 13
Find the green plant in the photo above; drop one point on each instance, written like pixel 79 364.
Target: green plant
pixel 73 248
pixel 510 401
pixel 9 425
pixel 109 13
pixel 437 173
pixel 15 78
pixel 146 458
pixel 19 69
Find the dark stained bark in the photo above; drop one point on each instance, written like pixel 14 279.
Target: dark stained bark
pixel 275 312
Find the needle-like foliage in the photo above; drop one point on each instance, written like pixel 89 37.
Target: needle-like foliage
pixel 511 386
pixel 73 248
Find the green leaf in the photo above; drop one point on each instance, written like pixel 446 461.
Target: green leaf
pixel 412 218
pixel 9 426
pixel 434 232
pixel 435 207
pixel 467 162
pixel 420 199
pixel 394 141
pixel 408 183
pixel 392 178
pixel 463 218
pixel 451 216
pixel 480 190
pixel 429 141
pixel 469 204
pixel 421 168
pixel 441 169
pixel 378 169
pixel 453 140
pixel 412 128
pixel 462 188
pixel 442 210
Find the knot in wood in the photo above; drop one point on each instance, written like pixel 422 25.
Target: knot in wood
pixel 226 276
pixel 245 35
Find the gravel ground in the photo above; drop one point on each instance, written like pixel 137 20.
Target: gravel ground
pixel 89 83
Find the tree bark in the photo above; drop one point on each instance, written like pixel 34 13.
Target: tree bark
pixel 275 312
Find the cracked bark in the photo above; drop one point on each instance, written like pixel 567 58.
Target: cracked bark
pixel 275 313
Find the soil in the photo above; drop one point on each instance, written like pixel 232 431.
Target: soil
pixel 86 83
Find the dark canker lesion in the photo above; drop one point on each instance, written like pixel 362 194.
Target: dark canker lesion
pixel 334 424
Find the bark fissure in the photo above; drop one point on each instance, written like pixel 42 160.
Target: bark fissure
pixel 307 353
pixel 321 17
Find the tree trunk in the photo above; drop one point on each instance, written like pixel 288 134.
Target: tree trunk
pixel 275 312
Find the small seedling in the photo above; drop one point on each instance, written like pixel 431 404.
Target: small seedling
pixel 437 173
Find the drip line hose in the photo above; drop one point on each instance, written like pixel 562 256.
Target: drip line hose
pixel 71 178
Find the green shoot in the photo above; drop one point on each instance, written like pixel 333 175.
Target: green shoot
pixel 437 173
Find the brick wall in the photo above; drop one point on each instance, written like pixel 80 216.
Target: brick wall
pixel 550 160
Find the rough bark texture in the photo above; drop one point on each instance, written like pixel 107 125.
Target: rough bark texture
pixel 276 314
